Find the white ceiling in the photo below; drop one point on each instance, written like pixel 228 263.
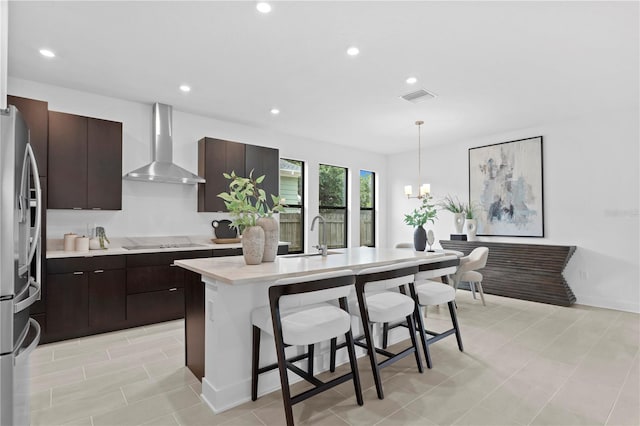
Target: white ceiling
pixel 495 66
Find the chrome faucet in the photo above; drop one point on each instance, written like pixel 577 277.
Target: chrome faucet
pixel 322 242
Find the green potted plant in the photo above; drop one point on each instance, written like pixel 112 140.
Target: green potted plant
pixel 426 212
pixel 455 206
pixel 247 203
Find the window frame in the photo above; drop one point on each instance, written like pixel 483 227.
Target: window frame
pixel 372 209
pixel 300 205
pixel 346 202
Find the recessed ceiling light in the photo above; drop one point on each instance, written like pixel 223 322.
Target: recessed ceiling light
pixel 275 111
pixel 411 80
pixel 263 7
pixel 353 51
pixel 185 88
pixel 47 53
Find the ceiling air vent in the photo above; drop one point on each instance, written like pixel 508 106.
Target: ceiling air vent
pixel 418 96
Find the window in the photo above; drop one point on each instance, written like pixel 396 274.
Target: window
pixel 292 190
pixel 367 208
pixel 333 204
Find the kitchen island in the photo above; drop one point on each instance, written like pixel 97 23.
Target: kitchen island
pixel 232 290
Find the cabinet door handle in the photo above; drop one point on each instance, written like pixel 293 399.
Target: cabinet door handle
pixel 78 273
pixel 173 289
pixel 98 271
pixel 96 208
pixel 77 208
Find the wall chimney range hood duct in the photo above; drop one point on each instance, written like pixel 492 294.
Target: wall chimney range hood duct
pixel 162 169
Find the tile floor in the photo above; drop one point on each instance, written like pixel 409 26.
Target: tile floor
pixel 524 363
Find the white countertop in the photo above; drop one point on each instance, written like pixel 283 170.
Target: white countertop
pixel 204 243
pixel 233 270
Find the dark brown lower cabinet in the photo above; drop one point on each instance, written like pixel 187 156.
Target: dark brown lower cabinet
pixel 155 306
pixel 155 286
pixel 107 299
pixel 67 305
pixel 87 295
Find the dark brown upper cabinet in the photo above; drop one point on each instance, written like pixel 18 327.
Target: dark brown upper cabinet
pixel 264 161
pixel 35 114
pixel 85 163
pixel 217 156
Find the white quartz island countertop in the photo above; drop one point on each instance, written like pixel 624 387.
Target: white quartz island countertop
pixel 233 270
pixel 233 289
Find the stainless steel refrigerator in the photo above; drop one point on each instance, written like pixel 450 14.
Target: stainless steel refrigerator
pixel 20 268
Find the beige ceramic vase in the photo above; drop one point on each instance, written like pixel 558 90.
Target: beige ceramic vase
pixel 271 237
pixel 253 245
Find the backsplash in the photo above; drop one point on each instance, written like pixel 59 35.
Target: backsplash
pixel 147 210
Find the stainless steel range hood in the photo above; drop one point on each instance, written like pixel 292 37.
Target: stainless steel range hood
pixel 162 168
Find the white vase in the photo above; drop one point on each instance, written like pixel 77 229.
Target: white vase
pixel 253 245
pixel 458 222
pixel 271 237
pixel 472 227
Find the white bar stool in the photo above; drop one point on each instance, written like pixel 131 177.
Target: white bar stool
pixel 298 314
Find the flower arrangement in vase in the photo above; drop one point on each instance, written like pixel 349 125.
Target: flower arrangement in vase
pixel 426 212
pixel 458 208
pixel 248 205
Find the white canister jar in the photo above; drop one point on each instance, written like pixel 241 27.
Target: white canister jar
pixel 82 244
pixel 70 241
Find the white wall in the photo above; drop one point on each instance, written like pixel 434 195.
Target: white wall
pixel 158 209
pixel 591 188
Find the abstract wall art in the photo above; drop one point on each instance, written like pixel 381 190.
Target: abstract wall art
pixel 505 188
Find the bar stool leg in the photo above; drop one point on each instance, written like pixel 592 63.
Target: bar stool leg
pixel 414 342
pixel 454 320
pixel 255 359
pixel 284 379
pixel 368 333
pixel 332 356
pixel 310 352
pixel 353 361
pixel 385 335
pixel 423 336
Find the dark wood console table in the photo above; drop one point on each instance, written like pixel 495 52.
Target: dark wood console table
pixel 523 271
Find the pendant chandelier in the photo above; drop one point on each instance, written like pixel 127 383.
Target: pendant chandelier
pixel 423 188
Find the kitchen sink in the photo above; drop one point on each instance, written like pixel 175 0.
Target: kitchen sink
pixel 309 254
pixel 162 246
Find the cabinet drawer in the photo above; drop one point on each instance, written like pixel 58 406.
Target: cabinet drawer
pixel 163 258
pixel 85 264
pixel 156 306
pixel 227 252
pixel 152 278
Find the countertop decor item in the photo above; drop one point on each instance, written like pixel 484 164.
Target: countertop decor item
pixel 225 240
pixel 81 243
pixel 101 235
pixel 224 230
pixel 455 206
pixel 471 222
pixel 271 237
pixel 70 241
pixel 426 212
pixel 247 202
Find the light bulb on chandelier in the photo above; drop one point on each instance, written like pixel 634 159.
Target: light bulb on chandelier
pixel 424 189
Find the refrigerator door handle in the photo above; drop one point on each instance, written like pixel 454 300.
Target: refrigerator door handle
pixel 34 294
pixel 35 242
pixel 23 353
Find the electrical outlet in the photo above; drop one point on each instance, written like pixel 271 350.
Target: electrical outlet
pixel 584 275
